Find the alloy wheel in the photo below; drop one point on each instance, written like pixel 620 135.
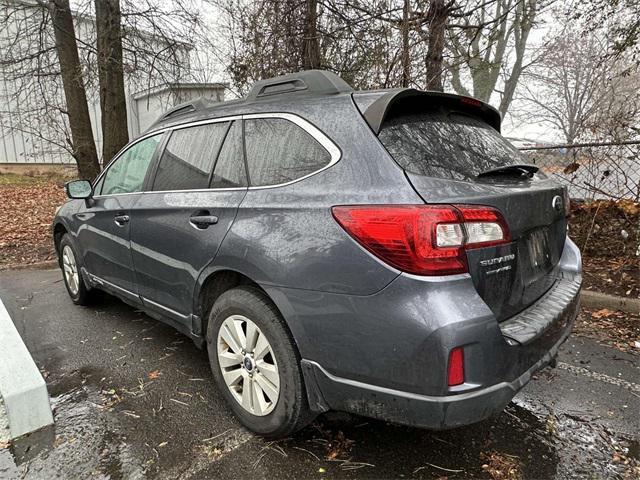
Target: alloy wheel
pixel 248 365
pixel 70 268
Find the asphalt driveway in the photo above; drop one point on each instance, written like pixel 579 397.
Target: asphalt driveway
pixel 135 399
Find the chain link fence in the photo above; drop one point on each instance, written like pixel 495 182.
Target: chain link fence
pixel 593 171
pixel 603 180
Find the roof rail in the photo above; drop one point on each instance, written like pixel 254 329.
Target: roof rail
pixel 186 107
pixel 318 82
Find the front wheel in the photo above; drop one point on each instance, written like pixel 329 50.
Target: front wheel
pixel 70 265
pixel 255 364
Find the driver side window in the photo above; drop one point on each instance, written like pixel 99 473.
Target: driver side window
pixel 127 173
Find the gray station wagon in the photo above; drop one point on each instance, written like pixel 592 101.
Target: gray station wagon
pixel 386 253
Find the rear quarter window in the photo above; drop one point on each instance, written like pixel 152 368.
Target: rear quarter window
pixel 279 151
pixel 446 144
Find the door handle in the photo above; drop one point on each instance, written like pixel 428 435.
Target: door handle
pixel 203 221
pixel 121 219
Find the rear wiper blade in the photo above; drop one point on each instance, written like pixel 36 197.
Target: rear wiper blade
pixel 521 169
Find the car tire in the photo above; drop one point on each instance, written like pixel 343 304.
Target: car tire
pixel 238 308
pixel 72 273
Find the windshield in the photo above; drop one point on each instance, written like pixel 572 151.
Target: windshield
pixel 446 144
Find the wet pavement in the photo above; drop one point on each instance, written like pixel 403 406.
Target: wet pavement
pixel 134 399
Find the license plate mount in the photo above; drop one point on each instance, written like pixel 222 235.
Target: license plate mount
pixel 539 249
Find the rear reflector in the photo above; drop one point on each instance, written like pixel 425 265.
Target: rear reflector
pixel 423 239
pixel 455 373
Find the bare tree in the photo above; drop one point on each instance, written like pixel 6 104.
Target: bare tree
pixel 371 44
pixel 571 84
pixel 34 116
pixel 115 133
pixel 437 16
pixel 481 43
pixel 84 147
pixel 310 43
pixel 621 16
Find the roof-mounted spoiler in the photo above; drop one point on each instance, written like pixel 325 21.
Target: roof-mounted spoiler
pixel 409 99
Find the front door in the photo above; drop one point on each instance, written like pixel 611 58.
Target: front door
pixel 106 221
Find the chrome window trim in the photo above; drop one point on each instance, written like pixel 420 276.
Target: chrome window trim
pixel 114 159
pixel 315 132
pixel 311 129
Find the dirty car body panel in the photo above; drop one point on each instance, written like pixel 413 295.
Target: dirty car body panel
pixel 372 337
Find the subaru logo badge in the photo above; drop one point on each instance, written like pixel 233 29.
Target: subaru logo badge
pixel 556 203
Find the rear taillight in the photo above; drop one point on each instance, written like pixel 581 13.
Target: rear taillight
pixel 455 370
pixel 423 239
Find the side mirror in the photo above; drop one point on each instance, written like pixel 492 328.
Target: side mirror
pixel 79 189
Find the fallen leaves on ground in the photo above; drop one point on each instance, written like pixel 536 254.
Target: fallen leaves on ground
pixel 111 398
pixel 501 466
pixel 605 228
pixel 615 276
pixel 25 221
pixel 618 329
pixel 338 445
pixel 603 313
pixel 606 231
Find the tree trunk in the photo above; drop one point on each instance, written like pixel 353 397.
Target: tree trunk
pixel 438 15
pixel 526 14
pixel 406 59
pixel 84 147
pixel 113 105
pixel 310 42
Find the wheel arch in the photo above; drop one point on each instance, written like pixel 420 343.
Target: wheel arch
pixel 59 230
pixel 215 283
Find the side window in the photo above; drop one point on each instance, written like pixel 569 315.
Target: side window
pixel 279 151
pixel 188 158
pixel 126 174
pixel 229 171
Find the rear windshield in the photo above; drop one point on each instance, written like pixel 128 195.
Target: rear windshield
pixel 446 144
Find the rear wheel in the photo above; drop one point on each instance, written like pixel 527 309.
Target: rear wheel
pixel 70 265
pixel 255 364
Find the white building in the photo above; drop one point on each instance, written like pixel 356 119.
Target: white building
pixel 33 129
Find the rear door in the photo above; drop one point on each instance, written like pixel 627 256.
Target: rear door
pixel 177 228
pixel 105 230
pixel 452 156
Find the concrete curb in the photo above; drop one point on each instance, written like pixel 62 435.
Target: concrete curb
pixel 602 300
pixel 24 407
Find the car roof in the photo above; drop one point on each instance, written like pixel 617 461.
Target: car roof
pixel 286 92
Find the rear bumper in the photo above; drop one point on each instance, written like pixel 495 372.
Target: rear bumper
pixel 327 391
pixel 385 355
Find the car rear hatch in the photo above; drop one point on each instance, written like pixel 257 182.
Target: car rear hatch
pixel 452 153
